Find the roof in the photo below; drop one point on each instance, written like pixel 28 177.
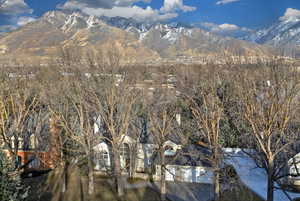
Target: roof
pixel 190 155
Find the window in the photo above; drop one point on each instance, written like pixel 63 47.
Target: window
pixel 125 155
pixel 32 142
pixel 35 163
pixel 102 159
pixel 124 151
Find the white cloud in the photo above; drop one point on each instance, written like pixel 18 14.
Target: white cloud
pixel 290 13
pixel 25 20
pixel 222 2
pixel 225 29
pixel 228 27
pixel 175 5
pixel 128 2
pixel 14 7
pixel 125 8
pixel 135 12
pixel 106 4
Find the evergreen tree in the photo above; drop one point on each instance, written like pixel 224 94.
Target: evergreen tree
pixel 11 187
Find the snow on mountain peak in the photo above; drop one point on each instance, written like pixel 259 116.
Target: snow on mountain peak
pixel 93 21
pixel 73 21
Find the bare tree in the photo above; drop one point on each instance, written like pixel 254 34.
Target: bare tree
pixel 269 106
pixel 114 104
pixel 77 121
pixel 207 110
pixel 163 127
pixel 18 103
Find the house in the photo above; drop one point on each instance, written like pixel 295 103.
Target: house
pixel 103 155
pixel 29 153
pixel 36 151
pixel 180 166
pixel 294 171
pixel 187 165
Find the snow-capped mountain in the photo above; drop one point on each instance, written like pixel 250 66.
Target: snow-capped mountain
pixel 127 23
pixel 285 32
pixel 141 40
pixel 75 21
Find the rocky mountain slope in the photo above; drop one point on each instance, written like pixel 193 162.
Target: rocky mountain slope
pixel 284 34
pixel 135 41
pixel 281 33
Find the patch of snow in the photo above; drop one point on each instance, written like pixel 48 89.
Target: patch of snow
pixel 92 22
pixel 253 177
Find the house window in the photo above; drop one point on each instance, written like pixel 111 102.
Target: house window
pixel 35 163
pixel 125 155
pixel 32 142
pixel 169 151
pixel 102 158
pixel 124 151
pixel 20 143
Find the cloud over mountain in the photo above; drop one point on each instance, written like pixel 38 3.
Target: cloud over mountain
pixel 14 7
pixel 175 5
pixel 225 29
pixel 290 13
pixel 127 8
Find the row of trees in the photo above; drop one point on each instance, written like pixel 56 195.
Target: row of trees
pixel 237 106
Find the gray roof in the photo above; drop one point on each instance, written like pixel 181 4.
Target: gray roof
pixel 190 155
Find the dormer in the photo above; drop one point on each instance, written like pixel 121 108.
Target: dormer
pixel 32 143
pixel 20 142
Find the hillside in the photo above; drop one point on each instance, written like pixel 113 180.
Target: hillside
pixel 135 41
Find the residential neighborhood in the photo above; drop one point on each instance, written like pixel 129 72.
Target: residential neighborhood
pixel 136 133
pixel 149 100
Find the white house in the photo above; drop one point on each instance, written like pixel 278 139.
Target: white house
pixel 183 169
pixel 103 157
pixel 187 165
pixel 183 173
pixel 144 159
pixel 294 170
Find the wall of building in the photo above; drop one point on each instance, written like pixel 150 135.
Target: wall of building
pixel 190 174
pixel 42 162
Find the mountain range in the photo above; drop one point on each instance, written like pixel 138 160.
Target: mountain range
pixel 284 35
pixel 137 41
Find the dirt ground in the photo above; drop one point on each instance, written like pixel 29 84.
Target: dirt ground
pixel 48 188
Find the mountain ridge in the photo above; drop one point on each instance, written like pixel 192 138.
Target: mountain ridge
pixel 284 35
pixel 141 41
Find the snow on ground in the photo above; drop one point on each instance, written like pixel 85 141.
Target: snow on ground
pixel 253 177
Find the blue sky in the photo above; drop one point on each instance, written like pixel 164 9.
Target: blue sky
pixel 215 14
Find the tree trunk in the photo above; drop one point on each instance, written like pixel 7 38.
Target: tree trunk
pixel 91 175
pixel 270 195
pixel 118 174
pixel 132 162
pixel 65 177
pixel 217 185
pixel 163 189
